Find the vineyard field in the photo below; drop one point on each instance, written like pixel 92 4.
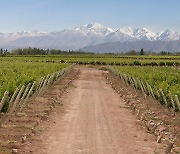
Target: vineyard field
pixel 76 91
pixel 160 71
pixel 101 59
pixel 14 74
pixel 165 78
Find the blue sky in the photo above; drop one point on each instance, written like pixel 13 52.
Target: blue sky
pixel 53 15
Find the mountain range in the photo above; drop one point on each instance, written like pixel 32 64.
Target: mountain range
pixel 91 36
pixel 117 47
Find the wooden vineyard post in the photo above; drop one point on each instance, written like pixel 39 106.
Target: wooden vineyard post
pixel 12 105
pixel 129 80
pixel 120 76
pixel 12 99
pixel 152 93
pixel 38 83
pixel 164 98
pixel 157 92
pixel 24 95
pixel 132 83
pixel 136 83
pixel 17 100
pixel 3 100
pixel 145 90
pixel 61 72
pixel 58 77
pixel 51 80
pixel 47 83
pixel 126 79
pixel 54 77
pixel 177 102
pixel 3 118
pixel 44 84
pixel 148 89
pixel 172 101
pixel 38 87
pixel 28 95
pixel 25 92
pixel 41 83
pixel 2 104
pixel 142 89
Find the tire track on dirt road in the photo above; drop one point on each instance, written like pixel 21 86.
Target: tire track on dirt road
pixel 95 121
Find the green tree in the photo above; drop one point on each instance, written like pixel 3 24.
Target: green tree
pixel 1 51
pixel 142 52
pixel 132 52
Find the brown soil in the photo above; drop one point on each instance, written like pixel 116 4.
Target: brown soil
pixel 164 121
pixel 27 124
pixel 94 119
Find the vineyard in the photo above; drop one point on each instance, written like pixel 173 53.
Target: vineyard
pixel 15 75
pixel 25 78
pixel 163 83
pixel 16 71
pixel 101 60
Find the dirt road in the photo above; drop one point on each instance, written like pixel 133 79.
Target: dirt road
pixel 95 120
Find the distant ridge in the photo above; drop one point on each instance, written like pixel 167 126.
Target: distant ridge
pixel 79 37
pixel 116 47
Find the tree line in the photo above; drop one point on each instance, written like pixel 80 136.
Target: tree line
pixel 38 51
pixel 142 52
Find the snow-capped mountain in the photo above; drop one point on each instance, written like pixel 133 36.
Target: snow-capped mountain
pixel 94 29
pixel 8 37
pixel 118 35
pixel 78 37
pixel 168 35
pixel 139 33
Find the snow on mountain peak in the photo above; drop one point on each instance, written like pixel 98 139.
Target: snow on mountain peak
pixel 166 32
pixel 34 32
pixel 89 34
pixel 138 33
pixel 94 29
pixel 168 35
pixel 127 30
pixel 94 26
